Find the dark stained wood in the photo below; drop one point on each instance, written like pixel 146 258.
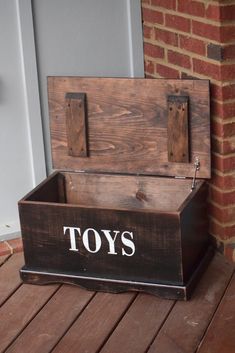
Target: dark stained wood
pixel 9 276
pixel 177 129
pixel 142 321
pixel 194 227
pixel 220 336
pixel 158 263
pixel 155 235
pixel 52 321
pixel 47 191
pixel 62 198
pixel 20 308
pixel 127 121
pixel 93 326
pixel 76 124
pixel 187 322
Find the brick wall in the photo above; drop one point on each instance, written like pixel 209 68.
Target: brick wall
pixel 184 39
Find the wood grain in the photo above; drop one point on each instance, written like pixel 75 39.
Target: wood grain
pixel 127 121
pixel 93 326
pixel 19 310
pixel 10 271
pixel 3 259
pixel 220 336
pixel 126 192
pixel 46 329
pixel 187 322
pixel 157 257
pixel 138 327
pixel 177 129
pixel 76 125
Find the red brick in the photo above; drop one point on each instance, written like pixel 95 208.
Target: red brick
pixel 223 130
pixel 216 91
pixel 206 30
pixel 223 164
pixel 227 34
pixel 229 129
pixel 221 13
pixel 228 92
pixel 223 93
pixel 152 16
pixel 227 12
pixel 153 50
pixel 223 147
pixel 193 45
pixel 178 22
pixel 223 232
pixel 223 215
pixel 222 198
pixel 194 8
pixel 217 109
pixel 185 75
pixel 216 229
pixel 4 248
pixel 208 69
pixel 224 111
pixel 167 72
pixel 213 12
pixel 229 52
pixel 148 31
pixel 217 129
pixel 149 76
pixel 145 1
pixel 149 67
pixel 167 37
pixel 179 59
pixel 228 110
pixel 223 182
pixel 229 252
pixel 168 4
pixel 228 72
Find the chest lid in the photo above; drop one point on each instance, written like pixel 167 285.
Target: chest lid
pixel 135 126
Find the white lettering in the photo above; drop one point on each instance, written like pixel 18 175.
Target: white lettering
pixel 72 234
pixel 86 241
pixel 130 244
pixel 111 240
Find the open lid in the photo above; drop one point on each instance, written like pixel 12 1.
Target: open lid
pixel 134 126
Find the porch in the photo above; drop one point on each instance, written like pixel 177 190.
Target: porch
pixel 64 318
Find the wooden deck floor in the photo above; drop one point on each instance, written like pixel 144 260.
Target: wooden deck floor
pixel 67 319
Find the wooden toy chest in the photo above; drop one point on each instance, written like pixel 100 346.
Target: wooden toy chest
pixel 127 208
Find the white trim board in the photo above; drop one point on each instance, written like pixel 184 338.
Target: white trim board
pixel 31 90
pixel 135 32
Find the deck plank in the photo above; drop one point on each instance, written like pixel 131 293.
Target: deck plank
pixel 44 331
pixel 19 310
pixel 220 336
pixel 3 259
pixel 139 325
pixel 9 276
pixel 187 322
pixel 96 322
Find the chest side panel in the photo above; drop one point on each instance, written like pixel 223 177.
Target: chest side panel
pixel 102 243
